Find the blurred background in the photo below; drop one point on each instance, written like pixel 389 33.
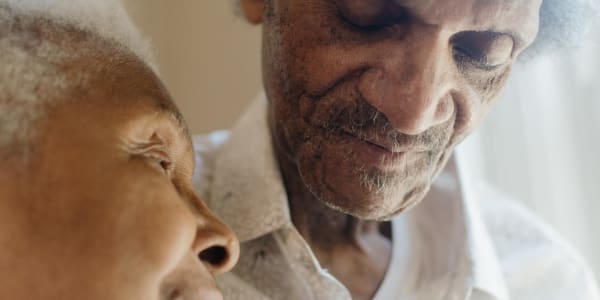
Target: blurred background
pixel 208 57
pixel 541 145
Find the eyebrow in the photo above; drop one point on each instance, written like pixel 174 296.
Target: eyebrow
pixel 168 107
pixel 175 114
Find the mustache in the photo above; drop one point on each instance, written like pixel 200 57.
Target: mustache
pixel 348 112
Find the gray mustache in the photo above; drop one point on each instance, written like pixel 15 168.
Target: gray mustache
pixel 355 116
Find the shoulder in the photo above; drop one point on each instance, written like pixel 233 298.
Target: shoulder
pixel 206 147
pixel 206 143
pixel 536 261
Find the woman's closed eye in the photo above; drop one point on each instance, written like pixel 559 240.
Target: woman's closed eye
pixel 161 162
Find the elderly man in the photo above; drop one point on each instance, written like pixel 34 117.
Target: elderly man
pixel 96 195
pixel 341 181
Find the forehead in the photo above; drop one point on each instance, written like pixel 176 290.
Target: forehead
pixel 147 108
pixel 125 92
pixel 136 86
pixel 519 17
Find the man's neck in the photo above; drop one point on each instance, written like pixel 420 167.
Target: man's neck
pixel 322 226
pixel 355 251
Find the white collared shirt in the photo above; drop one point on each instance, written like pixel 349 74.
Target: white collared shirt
pixel 463 241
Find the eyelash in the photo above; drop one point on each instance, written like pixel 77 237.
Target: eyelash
pixel 372 30
pixel 161 162
pixel 463 58
pixel 475 57
pixel 465 62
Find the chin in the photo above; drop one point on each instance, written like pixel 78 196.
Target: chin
pixel 376 211
pixel 360 200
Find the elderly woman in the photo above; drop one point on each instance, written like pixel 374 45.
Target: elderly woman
pixel 96 199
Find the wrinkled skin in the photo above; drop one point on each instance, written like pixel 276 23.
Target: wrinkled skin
pixel 106 209
pixel 368 98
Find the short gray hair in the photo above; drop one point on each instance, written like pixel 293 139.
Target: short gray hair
pixel 34 45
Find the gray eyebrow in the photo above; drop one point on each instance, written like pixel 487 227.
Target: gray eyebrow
pixel 169 108
pixel 180 121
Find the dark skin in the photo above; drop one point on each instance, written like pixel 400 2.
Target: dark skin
pixel 367 100
pixel 365 243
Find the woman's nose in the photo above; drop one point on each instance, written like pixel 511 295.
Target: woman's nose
pixel 216 245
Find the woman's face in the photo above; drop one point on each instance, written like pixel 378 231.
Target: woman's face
pixel 106 209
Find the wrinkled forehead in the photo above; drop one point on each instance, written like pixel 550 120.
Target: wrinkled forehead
pixel 132 84
pixel 103 71
pixel 519 17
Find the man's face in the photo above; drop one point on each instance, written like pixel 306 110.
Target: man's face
pixel 369 97
pixel 106 208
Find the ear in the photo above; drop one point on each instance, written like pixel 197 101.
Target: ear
pixel 253 10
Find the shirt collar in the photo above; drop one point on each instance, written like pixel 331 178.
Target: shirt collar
pixel 247 192
pixel 485 271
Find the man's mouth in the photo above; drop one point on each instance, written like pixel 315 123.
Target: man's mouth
pixel 369 153
pixel 387 144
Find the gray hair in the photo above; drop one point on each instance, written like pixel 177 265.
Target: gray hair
pixel 563 24
pixel 37 37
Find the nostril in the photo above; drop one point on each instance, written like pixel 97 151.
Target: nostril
pixel 215 256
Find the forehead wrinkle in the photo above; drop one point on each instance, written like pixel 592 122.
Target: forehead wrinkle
pixel 149 88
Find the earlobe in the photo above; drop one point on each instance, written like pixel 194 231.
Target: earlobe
pixel 253 10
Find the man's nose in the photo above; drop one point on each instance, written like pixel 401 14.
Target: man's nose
pixel 216 245
pixel 412 82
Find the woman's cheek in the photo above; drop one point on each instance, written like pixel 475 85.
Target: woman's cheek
pixel 165 232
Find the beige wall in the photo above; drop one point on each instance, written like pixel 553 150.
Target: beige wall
pixel 208 57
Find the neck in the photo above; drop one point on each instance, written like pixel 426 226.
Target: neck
pixel 321 226
pixel 356 252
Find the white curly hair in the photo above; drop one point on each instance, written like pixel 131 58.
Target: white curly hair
pixel 37 38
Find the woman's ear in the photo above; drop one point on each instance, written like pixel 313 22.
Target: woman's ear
pixel 253 10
